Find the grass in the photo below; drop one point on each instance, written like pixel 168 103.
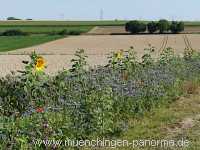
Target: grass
pixel 16 42
pixel 165 123
pixel 192 23
pixel 45 29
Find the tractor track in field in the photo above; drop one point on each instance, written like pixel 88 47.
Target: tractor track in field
pixel 187 42
pixel 164 43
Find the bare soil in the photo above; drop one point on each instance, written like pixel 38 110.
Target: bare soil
pixel 59 53
pixel 106 30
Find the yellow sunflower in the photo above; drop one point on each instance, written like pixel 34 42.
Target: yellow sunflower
pixel 40 64
pixel 120 55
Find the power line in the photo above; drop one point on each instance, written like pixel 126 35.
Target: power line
pixel 101 14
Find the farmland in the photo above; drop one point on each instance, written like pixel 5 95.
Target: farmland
pixel 55 27
pixel 43 31
pixel 52 28
pixel 16 42
pixel 59 53
pixel 86 87
pixel 78 23
pixel 40 27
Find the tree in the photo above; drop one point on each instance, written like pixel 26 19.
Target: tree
pixel 135 26
pixel 181 26
pixel 177 27
pixel 12 18
pixel 152 27
pixel 163 25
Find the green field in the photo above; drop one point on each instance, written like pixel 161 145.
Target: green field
pixel 61 23
pixel 192 23
pixel 45 27
pixel 16 42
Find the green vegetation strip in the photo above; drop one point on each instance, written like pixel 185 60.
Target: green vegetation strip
pixel 176 121
pixel 46 29
pixel 8 43
pixel 62 23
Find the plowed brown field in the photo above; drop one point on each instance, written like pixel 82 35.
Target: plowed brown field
pixel 59 53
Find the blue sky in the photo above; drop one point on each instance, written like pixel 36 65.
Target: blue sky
pixel 112 9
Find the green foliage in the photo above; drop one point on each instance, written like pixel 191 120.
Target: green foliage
pixel 14 33
pixel 72 32
pixel 45 29
pixel 177 27
pixel 167 56
pixel 135 26
pixel 80 63
pixel 27 90
pixel 63 32
pixel 152 27
pixel 88 103
pixel 147 59
pixel 163 25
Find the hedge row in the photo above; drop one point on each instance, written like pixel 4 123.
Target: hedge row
pixel 14 32
pixel 17 32
pixel 162 26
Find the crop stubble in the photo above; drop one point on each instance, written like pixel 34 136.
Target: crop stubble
pixel 59 53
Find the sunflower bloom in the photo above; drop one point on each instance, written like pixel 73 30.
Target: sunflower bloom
pixel 40 64
pixel 120 55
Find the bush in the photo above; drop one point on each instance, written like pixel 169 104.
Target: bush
pixel 177 27
pixel 163 26
pixel 14 33
pixel 135 27
pixel 63 32
pixel 152 27
pixel 74 32
pixel 70 32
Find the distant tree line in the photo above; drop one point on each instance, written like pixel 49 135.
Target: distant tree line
pixel 161 26
pixel 13 18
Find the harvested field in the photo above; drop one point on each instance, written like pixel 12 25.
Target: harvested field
pixel 59 53
pixel 55 63
pixel 106 30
